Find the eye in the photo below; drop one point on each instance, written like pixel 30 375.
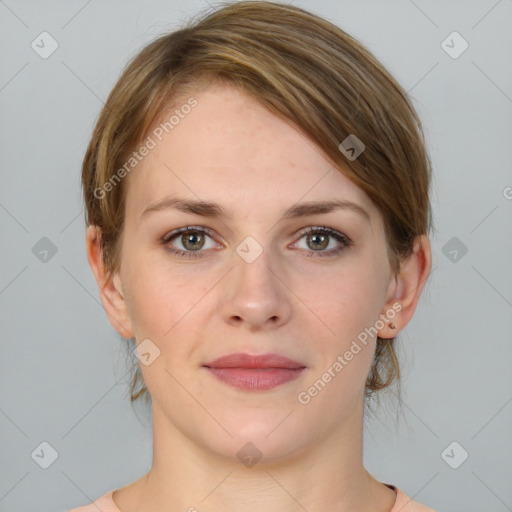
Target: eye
pixel 320 238
pixel 189 240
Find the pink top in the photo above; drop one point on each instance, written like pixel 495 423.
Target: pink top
pixel 402 504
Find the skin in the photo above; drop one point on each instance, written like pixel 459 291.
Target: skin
pixel 290 300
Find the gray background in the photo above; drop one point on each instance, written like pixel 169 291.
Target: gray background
pixel 63 368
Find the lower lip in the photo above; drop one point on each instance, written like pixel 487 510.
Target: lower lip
pixel 256 379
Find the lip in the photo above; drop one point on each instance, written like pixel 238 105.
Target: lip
pixel 255 372
pixel 242 360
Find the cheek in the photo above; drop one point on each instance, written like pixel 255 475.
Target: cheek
pixel 161 307
pixel 161 298
pixel 344 300
pixel 348 307
pixel 346 304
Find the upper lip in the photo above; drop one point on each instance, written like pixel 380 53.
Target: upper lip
pixel 242 360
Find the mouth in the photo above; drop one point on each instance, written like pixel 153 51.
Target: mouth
pixel 255 372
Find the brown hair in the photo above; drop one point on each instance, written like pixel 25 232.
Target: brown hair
pixel 305 70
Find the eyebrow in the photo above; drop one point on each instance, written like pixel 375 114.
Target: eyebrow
pixel 209 209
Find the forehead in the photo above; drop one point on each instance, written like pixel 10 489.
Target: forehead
pixel 230 149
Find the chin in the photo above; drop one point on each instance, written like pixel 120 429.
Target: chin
pixel 262 438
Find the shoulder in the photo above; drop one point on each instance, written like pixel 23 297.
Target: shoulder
pixel 405 504
pixel 105 503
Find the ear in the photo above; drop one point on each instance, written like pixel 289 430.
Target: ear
pixel 111 292
pixel 405 289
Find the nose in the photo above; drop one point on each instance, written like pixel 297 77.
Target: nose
pixel 255 295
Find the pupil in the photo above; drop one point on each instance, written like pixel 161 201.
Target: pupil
pixel 319 240
pixel 192 241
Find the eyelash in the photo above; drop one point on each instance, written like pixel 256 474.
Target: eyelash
pixel 340 237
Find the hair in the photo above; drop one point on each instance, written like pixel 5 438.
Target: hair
pixel 302 68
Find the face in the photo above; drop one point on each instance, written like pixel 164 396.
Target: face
pixel 251 273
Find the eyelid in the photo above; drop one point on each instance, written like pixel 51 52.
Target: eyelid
pixel 180 253
pixel 340 237
pixel 304 231
pixel 202 229
pixel 326 229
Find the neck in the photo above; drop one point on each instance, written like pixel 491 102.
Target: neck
pixel 327 476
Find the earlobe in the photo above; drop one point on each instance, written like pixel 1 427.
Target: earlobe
pixel 407 288
pixel 109 285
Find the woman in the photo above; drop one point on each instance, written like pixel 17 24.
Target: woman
pixel 258 214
